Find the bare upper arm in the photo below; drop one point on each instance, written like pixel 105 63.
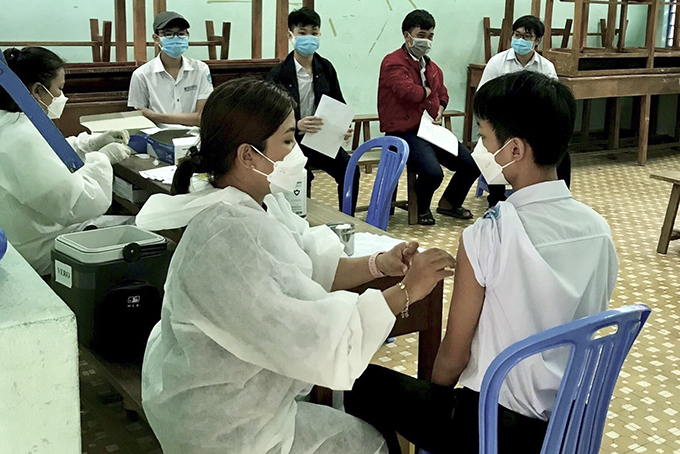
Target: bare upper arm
pixel 465 309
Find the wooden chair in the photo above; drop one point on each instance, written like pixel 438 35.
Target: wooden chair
pixel 668 234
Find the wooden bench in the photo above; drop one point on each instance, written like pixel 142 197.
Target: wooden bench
pixel 362 124
pixel 667 232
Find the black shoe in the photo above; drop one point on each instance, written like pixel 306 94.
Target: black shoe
pixel 426 218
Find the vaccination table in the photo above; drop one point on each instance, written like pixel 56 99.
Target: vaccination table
pixel 425 316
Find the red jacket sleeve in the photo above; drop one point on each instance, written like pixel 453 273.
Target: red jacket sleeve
pixel 443 92
pixel 396 78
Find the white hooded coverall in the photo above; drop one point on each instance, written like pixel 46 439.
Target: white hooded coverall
pixel 39 197
pixel 248 325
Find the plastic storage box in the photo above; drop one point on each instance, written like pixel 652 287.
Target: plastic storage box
pixel 112 279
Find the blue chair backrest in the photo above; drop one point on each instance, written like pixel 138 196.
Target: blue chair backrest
pixel 578 417
pixel 393 157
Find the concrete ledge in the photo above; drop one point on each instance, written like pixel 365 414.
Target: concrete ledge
pixel 39 360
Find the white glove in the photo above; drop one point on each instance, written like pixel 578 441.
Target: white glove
pixel 105 138
pixel 116 152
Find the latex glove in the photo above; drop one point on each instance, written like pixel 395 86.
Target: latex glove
pixel 116 152
pixel 105 138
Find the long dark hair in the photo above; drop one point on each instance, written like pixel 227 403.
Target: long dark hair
pixel 239 111
pixel 31 65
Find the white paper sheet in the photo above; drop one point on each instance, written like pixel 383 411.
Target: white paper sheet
pixel 337 118
pixel 369 243
pixel 163 174
pixel 133 120
pixel 437 135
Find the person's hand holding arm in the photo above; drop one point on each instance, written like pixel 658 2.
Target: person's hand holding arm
pixel 354 271
pixel 464 312
pixel 397 78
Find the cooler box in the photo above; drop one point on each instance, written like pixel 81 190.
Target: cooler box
pixel 112 279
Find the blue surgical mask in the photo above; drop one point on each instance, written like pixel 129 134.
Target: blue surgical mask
pixel 174 46
pixel 522 46
pixel 306 45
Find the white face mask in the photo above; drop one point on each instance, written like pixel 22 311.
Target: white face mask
pixel 55 109
pixel 491 170
pixel 420 46
pixel 287 172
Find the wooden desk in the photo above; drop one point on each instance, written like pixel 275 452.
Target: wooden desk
pixel 611 87
pixel 425 316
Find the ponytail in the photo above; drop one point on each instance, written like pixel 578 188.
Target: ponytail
pixel 186 168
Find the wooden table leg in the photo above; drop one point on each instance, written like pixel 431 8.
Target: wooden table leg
pixel 467 125
pixel 669 220
pixel 412 198
pixel 613 122
pixel 429 340
pixel 643 140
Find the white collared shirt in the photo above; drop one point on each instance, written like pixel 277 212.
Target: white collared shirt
pixel 306 90
pixel 544 260
pixel 152 87
pixel 506 62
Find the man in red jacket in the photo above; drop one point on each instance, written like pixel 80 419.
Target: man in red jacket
pixel 409 84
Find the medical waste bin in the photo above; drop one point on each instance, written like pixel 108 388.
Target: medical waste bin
pixel 112 278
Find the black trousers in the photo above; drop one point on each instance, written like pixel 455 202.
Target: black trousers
pixel 497 191
pixel 335 168
pixel 426 160
pixel 439 419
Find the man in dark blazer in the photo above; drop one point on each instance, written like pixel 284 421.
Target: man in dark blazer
pixel 307 76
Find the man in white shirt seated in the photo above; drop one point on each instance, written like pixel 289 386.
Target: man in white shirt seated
pixel 171 88
pixel 527 33
pixel 536 261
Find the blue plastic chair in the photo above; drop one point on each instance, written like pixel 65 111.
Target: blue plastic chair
pixel 577 420
pixel 393 157
pixel 482 186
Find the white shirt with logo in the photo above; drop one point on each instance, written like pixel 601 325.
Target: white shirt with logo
pixel 154 88
pixel 544 259
pixel 506 63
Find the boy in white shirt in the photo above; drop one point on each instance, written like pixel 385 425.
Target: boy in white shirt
pixel 536 261
pixel 171 88
pixel 527 33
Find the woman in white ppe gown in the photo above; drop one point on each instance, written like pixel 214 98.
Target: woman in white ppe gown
pixel 255 310
pixel 39 197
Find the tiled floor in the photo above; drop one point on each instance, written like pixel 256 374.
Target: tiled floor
pixel 643 415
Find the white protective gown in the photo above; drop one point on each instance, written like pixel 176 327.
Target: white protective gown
pixel 248 325
pixel 39 197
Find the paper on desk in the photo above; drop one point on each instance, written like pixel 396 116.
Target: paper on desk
pixel 437 135
pixel 369 243
pixel 163 174
pixel 337 117
pixel 133 120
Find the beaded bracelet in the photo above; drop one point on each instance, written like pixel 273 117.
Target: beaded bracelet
pixel 404 313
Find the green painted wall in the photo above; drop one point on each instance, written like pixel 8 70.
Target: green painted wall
pixel 356 34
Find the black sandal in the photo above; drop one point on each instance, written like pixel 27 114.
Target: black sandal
pixel 460 212
pixel 426 218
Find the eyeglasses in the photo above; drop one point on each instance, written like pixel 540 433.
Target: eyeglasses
pixel 170 34
pixel 527 36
